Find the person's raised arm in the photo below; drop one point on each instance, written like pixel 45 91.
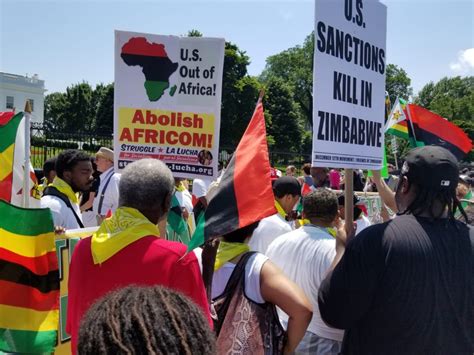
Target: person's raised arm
pixel 276 288
pixel 385 192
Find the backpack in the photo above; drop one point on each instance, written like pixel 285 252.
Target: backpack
pixel 244 326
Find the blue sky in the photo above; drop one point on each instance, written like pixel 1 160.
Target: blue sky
pixel 66 42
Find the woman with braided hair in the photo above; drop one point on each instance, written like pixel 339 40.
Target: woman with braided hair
pixel 145 320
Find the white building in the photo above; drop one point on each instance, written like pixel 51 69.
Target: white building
pixel 16 89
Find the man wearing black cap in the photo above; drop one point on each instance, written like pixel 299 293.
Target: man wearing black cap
pixel 407 286
pixel 287 191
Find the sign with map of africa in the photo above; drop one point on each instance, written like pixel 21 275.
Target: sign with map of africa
pixel 167 101
pixel 157 67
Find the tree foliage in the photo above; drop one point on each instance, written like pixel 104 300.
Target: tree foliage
pixel 295 67
pixel 452 98
pixel 397 83
pixel 79 108
pixel 288 102
pixel 284 126
pixel 105 112
pixel 239 96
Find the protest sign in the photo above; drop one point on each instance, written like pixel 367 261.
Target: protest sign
pixel 349 84
pixel 167 101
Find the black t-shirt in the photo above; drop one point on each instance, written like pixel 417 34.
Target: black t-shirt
pixel 94 188
pixel 404 287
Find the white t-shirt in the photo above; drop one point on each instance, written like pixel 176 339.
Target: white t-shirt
pixel 200 187
pixel 362 223
pixel 266 232
pixel 111 194
pixel 305 256
pixel 252 278
pixel 62 214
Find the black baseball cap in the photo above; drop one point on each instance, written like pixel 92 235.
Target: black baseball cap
pixel 287 185
pixel 432 166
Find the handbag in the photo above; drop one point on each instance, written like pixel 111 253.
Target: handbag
pixel 244 326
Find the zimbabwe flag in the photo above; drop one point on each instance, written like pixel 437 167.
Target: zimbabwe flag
pixel 429 128
pixel 244 194
pixel 29 280
pixel 12 161
pixel 397 121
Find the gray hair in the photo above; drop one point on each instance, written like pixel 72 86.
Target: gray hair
pixel 145 183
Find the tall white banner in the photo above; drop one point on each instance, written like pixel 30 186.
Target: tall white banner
pixel 349 83
pixel 167 101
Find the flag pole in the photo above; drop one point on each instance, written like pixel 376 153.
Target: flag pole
pixel 349 200
pixel 411 124
pixel 26 164
pixel 260 96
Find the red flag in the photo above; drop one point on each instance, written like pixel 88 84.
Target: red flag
pixel 432 129
pixel 245 193
pixel 305 190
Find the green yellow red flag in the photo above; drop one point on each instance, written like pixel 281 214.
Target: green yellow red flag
pixel 12 161
pixel 29 280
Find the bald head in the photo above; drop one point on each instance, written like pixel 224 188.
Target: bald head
pixel 147 185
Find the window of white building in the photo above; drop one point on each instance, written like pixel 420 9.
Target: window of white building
pixel 32 104
pixel 10 102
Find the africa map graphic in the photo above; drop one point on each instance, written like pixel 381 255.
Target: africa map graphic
pixel 156 65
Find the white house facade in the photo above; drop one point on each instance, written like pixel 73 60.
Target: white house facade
pixel 16 89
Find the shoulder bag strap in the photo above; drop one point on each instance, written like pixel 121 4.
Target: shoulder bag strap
pixel 230 290
pixel 52 191
pixel 102 194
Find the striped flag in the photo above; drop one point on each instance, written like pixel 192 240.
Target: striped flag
pixel 29 280
pixel 397 120
pixel 12 161
pixel 177 228
pixel 244 194
pixel 428 128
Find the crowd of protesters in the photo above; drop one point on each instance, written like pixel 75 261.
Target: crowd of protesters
pixel 300 281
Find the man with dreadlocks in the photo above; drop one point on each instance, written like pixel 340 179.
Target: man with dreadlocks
pixel 145 320
pixel 407 286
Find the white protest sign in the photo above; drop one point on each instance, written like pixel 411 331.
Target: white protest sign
pixel 349 83
pixel 167 101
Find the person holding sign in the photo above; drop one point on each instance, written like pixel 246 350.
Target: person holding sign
pixel 407 286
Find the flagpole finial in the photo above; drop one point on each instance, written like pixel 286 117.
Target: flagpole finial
pixel 28 106
pixel 260 95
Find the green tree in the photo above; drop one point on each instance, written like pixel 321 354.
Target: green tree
pixel 397 83
pixel 284 126
pixel 104 123
pixel 80 112
pixel 55 110
pixel 239 96
pixel 194 33
pixel 96 99
pixel 452 98
pixel 295 67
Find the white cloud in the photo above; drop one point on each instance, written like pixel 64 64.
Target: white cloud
pixel 464 63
